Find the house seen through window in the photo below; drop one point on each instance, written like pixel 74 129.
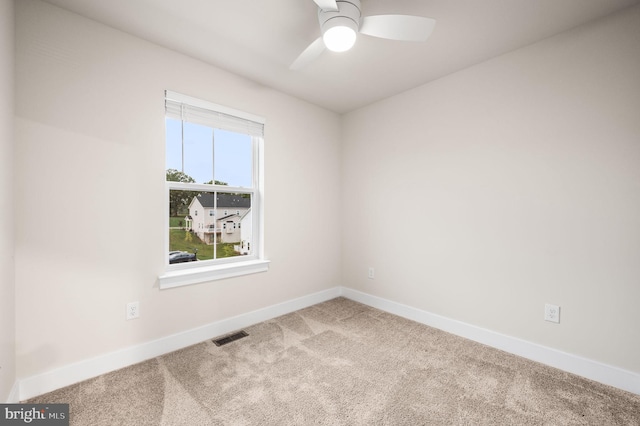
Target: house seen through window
pixel 212 180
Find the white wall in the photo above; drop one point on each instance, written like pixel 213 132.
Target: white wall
pixel 520 181
pixel 7 307
pixel 90 191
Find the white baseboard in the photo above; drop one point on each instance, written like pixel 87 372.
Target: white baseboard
pixel 593 370
pixel 87 369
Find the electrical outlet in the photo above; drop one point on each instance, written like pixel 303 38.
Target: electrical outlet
pixel 551 313
pixel 372 273
pixel 133 310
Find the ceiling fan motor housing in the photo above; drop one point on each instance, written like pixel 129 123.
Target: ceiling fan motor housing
pixel 347 15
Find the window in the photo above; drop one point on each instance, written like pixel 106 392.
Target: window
pixel 213 162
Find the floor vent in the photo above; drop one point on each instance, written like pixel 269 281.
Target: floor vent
pixel 230 338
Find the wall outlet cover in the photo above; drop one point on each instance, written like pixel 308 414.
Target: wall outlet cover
pixel 133 310
pixel 551 313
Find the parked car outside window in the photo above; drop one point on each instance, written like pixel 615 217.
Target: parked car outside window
pixel 181 257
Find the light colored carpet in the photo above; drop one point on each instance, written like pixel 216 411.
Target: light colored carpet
pixel 343 363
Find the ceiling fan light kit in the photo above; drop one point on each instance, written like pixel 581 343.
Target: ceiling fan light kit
pixel 339 38
pixel 340 27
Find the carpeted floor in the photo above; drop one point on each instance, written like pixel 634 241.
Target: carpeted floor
pixel 343 363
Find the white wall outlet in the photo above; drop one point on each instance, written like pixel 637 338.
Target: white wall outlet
pixel 133 310
pixel 372 273
pixel 551 313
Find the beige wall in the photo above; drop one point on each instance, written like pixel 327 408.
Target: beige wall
pixel 520 178
pixel 7 307
pixel 90 191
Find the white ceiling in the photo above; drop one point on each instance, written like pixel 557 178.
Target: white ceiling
pixel 259 39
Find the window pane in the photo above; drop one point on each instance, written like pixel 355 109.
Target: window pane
pixel 189 151
pixel 233 158
pixel 206 154
pixel 189 239
pixel 198 152
pixel 199 229
pixel 234 238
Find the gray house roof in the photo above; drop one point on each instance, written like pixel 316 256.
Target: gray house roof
pixel 224 200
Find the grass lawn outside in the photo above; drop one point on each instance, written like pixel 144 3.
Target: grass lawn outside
pixel 176 222
pixel 178 240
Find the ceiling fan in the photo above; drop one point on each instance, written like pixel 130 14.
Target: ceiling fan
pixel 341 20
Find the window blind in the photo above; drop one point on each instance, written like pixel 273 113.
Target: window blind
pixel 181 107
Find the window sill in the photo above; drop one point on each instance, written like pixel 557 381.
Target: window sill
pixel 211 273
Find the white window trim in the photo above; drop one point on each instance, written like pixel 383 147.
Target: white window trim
pixel 193 273
pixel 190 276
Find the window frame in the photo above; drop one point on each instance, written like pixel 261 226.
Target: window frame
pixel 181 274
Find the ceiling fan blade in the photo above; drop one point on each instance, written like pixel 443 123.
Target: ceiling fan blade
pixel 327 4
pixel 308 55
pixel 398 27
